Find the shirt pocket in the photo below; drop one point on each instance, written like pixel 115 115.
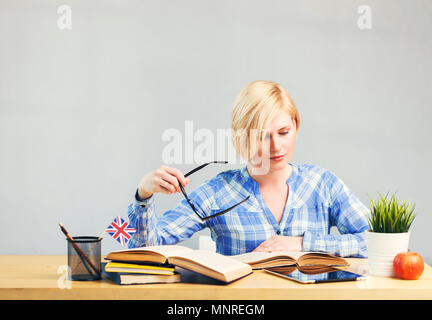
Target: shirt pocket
pixel 243 223
pixel 311 217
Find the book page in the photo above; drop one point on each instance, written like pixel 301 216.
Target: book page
pixel 165 250
pixel 213 260
pixel 143 279
pixel 321 258
pixel 224 268
pixel 251 257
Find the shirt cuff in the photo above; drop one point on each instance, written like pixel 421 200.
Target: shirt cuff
pixel 144 203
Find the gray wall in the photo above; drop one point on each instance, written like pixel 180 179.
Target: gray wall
pixel 83 110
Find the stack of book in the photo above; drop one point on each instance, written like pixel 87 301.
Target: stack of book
pixel 136 265
pixel 125 272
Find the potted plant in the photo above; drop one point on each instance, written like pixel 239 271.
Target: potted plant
pixel 388 235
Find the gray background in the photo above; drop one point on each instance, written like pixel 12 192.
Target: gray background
pixel 83 110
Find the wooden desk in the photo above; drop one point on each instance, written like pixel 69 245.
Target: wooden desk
pixel 36 277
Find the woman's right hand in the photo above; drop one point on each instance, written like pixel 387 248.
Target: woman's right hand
pixel 163 179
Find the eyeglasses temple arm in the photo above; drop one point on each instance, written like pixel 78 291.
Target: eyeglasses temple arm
pixel 225 211
pixel 202 166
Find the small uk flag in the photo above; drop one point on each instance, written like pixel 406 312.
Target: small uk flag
pixel 120 230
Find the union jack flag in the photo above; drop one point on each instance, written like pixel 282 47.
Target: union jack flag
pixel 119 229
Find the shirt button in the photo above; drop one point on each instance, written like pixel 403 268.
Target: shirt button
pixel 278 232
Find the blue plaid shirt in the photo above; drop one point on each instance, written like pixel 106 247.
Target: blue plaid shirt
pixel 317 200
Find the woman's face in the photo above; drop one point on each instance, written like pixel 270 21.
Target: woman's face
pixel 277 147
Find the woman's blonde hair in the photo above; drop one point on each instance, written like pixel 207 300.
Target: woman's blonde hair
pixel 254 108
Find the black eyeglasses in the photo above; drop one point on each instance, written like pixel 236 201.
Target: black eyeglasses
pixel 195 209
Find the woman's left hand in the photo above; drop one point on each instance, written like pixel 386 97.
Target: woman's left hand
pixel 281 243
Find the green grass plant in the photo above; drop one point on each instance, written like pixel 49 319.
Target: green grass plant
pixel 389 215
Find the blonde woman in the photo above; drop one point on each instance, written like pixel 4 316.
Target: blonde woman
pixel 270 204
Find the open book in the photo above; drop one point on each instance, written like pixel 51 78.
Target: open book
pixel 208 263
pixel 308 262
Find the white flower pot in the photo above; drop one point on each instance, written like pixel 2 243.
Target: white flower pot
pixel 382 248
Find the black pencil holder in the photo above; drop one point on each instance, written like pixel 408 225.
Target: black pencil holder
pixel 84 258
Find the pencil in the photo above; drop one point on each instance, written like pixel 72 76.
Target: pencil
pixel 79 251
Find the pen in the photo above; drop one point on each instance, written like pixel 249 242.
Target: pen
pixel 79 251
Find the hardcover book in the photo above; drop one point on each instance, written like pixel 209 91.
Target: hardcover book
pixel 314 262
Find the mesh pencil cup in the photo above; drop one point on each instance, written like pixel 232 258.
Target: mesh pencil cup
pixel 84 258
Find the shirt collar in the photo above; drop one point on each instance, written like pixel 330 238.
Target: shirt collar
pixel 251 186
pixel 248 181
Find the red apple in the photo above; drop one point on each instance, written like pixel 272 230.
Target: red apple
pixel 408 265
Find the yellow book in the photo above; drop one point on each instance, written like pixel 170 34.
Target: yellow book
pixel 137 268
